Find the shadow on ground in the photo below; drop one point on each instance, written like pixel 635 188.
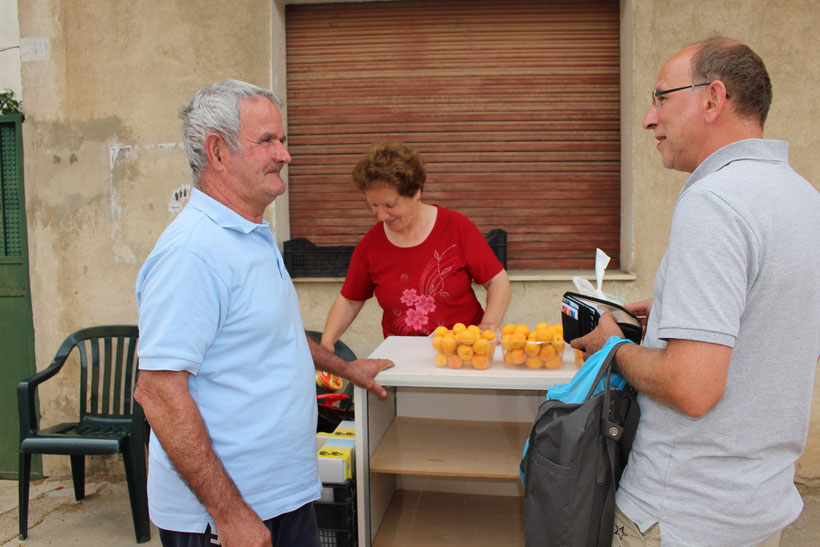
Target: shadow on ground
pixel 104 516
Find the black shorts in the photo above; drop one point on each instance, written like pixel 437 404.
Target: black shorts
pixel 295 529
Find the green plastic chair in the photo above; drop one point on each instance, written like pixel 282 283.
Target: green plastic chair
pixel 110 421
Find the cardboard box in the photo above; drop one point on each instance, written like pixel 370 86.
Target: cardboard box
pixel 336 460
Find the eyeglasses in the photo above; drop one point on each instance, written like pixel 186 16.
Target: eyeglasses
pixel 656 94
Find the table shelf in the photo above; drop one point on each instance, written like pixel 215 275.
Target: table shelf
pixel 437 519
pixel 451 448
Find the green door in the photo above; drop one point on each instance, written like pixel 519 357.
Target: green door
pixel 16 326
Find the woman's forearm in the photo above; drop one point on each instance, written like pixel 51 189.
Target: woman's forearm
pixel 341 315
pixel 499 292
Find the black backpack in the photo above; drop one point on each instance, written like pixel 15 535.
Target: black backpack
pixel 573 463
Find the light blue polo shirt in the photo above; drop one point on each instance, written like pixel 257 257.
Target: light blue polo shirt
pixel 215 300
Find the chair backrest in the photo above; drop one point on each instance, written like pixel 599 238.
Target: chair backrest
pixel 108 370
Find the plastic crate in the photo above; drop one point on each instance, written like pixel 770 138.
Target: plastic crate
pixel 497 238
pixel 336 538
pixel 304 259
pixel 336 515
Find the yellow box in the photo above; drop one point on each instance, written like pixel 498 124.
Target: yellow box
pixel 336 460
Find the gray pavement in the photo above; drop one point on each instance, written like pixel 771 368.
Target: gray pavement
pixel 104 517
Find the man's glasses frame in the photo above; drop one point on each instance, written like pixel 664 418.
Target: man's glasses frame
pixel 659 93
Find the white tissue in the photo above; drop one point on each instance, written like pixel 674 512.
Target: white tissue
pixel 585 287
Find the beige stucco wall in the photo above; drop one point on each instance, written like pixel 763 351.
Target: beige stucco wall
pixel 103 157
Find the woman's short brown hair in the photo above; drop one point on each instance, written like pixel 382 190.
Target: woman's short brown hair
pixel 390 164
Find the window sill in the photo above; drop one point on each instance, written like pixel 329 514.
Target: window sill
pixel 567 275
pixel 517 275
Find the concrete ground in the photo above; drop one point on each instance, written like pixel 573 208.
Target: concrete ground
pixel 103 518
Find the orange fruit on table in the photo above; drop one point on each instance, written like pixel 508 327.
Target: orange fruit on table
pixel 475 330
pixel 517 340
pixel 466 336
pixel 459 327
pixel 448 344
pixel 488 335
pixel 579 358
pixel 441 360
pixel 518 356
pixel 521 327
pixel 481 362
pixel 559 346
pixel 554 362
pixel 506 342
pixel 543 335
pixel 481 347
pixel 441 330
pixel 508 328
pixel 547 352
pixel 532 348
pixel 541 325
pixel 464 352
pixel 437 340
pixel 534 362
pixel 454 361
pixel 508 359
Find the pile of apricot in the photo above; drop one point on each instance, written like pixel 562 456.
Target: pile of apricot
pixel 463 345
pixel 540 347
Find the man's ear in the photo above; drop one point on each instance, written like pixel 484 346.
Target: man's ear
pixel 214 146
pixel 716 100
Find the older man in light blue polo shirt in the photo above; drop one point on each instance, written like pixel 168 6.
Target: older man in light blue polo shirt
pixel 226 371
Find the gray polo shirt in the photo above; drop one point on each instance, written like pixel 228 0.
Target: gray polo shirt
pixel 742 270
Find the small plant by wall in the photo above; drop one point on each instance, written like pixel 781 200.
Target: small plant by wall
pixel 8 104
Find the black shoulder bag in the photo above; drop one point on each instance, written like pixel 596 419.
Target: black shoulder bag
pixel 575 458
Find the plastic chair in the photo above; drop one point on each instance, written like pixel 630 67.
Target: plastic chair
pixel 110 421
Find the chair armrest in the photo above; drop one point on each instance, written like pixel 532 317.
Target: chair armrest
pixel 27 388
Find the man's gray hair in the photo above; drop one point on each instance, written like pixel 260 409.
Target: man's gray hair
pixel 215 109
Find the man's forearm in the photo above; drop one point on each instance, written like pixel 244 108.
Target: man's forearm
pixel 686 375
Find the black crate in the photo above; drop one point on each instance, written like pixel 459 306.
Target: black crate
pixel 337 519
pixel 337 538
pixel 497 238
pixel 304 259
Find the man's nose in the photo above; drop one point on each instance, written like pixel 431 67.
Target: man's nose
pixel 651 118
pixel 282 154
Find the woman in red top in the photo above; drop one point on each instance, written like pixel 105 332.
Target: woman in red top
pixel 419 260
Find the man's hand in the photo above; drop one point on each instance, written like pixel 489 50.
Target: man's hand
pixel 242 527
pixel 595 340
pixel 361 372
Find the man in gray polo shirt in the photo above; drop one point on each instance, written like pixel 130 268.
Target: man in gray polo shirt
pixel 724 411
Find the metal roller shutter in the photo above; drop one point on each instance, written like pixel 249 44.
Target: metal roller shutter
pixel 513 105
